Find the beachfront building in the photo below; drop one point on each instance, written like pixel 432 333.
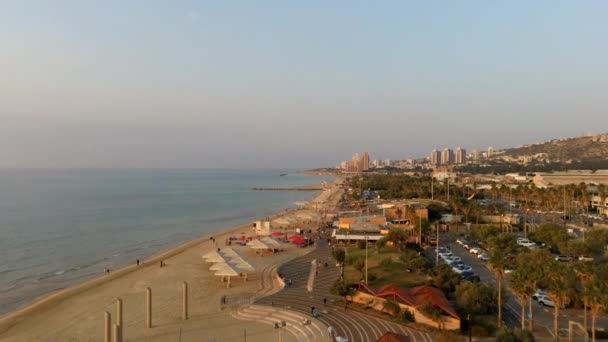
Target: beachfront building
pixel 412 299
pixel 352 229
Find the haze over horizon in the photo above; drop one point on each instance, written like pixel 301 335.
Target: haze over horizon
pixel 292 85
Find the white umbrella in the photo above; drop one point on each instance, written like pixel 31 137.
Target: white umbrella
pixel 257 244
pixel 270 242
pixel 219 266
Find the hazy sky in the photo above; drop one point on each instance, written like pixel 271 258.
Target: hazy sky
pixel 292 84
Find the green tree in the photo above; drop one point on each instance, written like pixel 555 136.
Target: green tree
pixel 340 255
pixel 597 292
pixel 558 282
pixel 520 286
pixel 445 279
pixel 500 247
pixel 475 298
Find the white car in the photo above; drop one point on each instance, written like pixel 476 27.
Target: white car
pixel 538 293
pixel 462 268
pixel 475 250
pixel 546 301
pixel 452 259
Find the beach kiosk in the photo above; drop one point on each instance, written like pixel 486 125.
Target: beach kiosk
pixel 261 227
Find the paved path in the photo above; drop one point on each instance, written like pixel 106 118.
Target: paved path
pixel 347 323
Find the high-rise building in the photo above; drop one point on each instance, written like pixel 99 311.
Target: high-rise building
pixel 490 151
pixel 376 163
pixel 364 161
pixel 435 157
pixel 476 155
pixel 447 156
pixel 461 156
pixel 388 163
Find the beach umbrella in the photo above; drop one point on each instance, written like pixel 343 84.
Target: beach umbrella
pixel 219 266
pixel 257 244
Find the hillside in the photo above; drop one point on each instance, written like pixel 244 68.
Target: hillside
pixel 568 150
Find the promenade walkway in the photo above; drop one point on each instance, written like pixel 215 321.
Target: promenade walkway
pixel 346 323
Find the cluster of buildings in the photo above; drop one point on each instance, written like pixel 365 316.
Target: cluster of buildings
pixel 359 163
pixel 448 156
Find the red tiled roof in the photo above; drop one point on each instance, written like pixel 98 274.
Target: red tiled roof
pixel 413 296
pixel 392 337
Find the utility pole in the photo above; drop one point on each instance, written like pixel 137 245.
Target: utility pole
pixel 437 247
pixel 564 205
pixel 432 185
pixel 448 188
pixel 366 259
pixel 420 229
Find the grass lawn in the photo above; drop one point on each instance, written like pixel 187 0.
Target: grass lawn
pixel 393 273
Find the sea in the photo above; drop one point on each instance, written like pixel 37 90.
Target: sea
pixel 61 227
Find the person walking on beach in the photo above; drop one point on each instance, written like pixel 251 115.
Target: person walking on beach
pixel 137 262
pixel 324 301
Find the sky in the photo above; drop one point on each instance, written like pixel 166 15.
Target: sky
pixel 285 84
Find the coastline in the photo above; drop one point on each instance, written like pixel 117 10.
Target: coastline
pixel 47 301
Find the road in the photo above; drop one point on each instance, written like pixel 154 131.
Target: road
pixel 543 316
pixel 354 325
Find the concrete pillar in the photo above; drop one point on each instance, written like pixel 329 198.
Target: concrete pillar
pixel 148 307
pixel 228 283
pixel 119 312
pixel 185 301
pixel 107 327
pixel 116 333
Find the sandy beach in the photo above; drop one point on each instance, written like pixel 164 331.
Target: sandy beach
pixel 77 313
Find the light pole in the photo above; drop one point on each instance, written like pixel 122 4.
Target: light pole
pixel 437 247
pixel 432 185
pixel 420 230
pixel 366 259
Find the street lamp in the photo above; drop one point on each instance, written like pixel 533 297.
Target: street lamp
pixel 365 259
pixel 437 247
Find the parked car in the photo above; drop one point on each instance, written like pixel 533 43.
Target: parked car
pixel 483 257
pixel 538 293
pixel 473 278
pixel 585 258
pixel 546 301
pixel 563 258
pixel 462 268
pixel 452 259
pixel 474 250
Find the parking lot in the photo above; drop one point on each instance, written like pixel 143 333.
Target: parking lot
pixel 543 316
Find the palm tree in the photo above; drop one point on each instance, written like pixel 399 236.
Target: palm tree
pixel 520 286
pixel 500 247
pixel 597 291
pixel 558 283
pixel 585 274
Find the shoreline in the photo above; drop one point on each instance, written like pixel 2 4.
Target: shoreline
pixel 15 316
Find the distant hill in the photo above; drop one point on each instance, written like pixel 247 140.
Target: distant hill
pixel 567 150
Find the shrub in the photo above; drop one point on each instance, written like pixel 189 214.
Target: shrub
pixel 361 244
pixel 386 261
pixel 371 277
pixel 408 316
pixel 359 265
pixel 391 307
pixel 480 331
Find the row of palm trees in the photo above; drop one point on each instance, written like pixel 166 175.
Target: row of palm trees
pixel 538 269
pixel 570 197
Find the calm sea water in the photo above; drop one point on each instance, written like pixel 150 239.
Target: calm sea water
pixel 60 227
